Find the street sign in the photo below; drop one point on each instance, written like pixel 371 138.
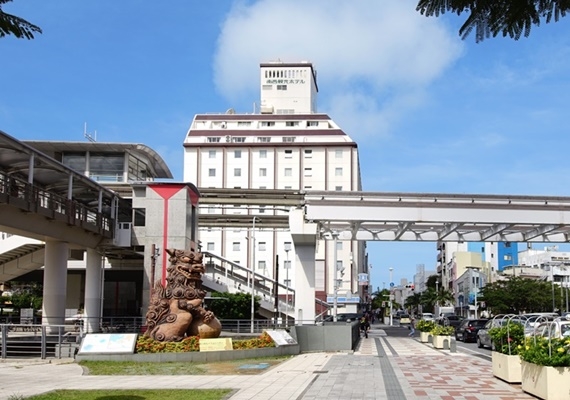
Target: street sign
pixel 391 284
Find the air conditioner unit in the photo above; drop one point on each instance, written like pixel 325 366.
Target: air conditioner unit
pixel 228 138
pixel 224 125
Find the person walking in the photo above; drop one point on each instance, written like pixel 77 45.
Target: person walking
pixel 364 326
pixel 412 327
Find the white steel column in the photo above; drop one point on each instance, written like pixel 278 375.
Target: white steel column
pixel 55 283
pixel 304 284
pixel 93 281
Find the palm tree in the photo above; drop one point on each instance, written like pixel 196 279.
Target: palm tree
pixel 513 18
pixel 12 25
pixel 413 302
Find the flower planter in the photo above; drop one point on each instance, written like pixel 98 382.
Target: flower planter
pixel 424 337
pixel 548 383
pixel 438 341
pixel 506 367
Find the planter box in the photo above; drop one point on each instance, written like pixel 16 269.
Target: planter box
pixel 424 337
pixel 507 367
pixel 548 383
pixel 438 341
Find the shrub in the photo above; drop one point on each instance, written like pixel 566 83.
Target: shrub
pixel 425 326
pixel 507 339
pixel 192 343
pixel 439 330
pixel 541 351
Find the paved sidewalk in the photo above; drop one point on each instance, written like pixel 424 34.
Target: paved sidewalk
pixel 382 367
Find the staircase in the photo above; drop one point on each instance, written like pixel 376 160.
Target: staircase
pixel 223 275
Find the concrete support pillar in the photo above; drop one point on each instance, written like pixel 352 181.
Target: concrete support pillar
pixel 304 284
pixel 55 283
pixel 93 286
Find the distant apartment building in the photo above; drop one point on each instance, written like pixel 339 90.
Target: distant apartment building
pixel 286 145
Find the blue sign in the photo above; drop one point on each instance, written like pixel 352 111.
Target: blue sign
pixel 391 284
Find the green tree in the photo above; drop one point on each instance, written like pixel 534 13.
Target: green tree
pixel 232 305
pixel 516 295
pixel 12 25
pixel 513 18
pixel 413 302
pixel 27 296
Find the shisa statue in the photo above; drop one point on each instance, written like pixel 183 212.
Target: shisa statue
pixel 175 310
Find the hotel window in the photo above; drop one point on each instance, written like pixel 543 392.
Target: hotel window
pixel 239 139
pixel 288 172
pixel 237 171
pixel 212 172
pixel 212 154
pixel 237 153
pixel 287 264
pixel 264 139
pixel 339 246
pixel 262 153
pixel 338 171
pixel 312 123
pixel 262 208
pixel 281 87
pixel 292 123
pixel 244 123
pixel 308 172
pixel 339 265
pixel 262 171
pixel 261 265
pixel 267 123
pixel 262 246
pixel 214 139
pixel 308 153
pixel 288 153
pixel 338 188
pixel 235 246
pixel 288 139
pixel 211 210
pixel 211 246
pixel 338 154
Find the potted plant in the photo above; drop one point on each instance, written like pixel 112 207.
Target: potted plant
pixel 546 367
pixel 507 342
pixel 441 334
pixel 425 328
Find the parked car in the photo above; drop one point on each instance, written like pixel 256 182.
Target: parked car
pixel 346 317
pixel 427 316
pixel 483 337
pixel 468 328
pixel 450 320
pixel 559 328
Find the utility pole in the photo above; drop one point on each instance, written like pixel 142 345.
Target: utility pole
pixel 391 294
pixel 335 303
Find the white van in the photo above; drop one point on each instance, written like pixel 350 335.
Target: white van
pixel 427 316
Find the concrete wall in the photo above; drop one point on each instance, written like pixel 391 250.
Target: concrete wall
pixel 338 336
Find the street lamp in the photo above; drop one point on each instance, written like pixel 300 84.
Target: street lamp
pixel 471 268
pixel 288 266
pixel 335 301
pixel 391 290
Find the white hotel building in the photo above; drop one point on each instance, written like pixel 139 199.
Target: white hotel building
pixel 287 145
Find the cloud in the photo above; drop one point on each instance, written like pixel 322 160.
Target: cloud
pixel 374 58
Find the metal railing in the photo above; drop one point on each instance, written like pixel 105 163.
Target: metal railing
pixel 38 341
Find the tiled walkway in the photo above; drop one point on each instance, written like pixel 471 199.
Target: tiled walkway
pixel 382 367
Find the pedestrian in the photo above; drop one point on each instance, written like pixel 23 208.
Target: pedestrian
pixel 412 327
pixel 364 326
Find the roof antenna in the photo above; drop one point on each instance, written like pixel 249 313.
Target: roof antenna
pixel 88 135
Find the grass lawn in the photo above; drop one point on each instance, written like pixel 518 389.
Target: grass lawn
pixel 194 394
pixel 180 368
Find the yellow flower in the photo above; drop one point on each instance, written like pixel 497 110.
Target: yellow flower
pixel 560 350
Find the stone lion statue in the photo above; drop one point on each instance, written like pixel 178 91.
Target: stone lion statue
pixel 175 310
